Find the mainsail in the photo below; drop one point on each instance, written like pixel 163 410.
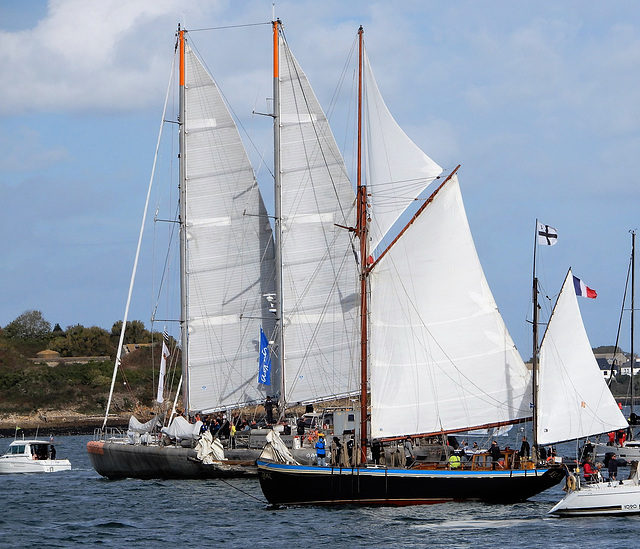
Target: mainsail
pixel 319 300
pixel 442 359
pixel 229 258
pixel 573 398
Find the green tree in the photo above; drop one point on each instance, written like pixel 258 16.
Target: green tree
pixel 135 332
pixel 30 326
pixel 81 341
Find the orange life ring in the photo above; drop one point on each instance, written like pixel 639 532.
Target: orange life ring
pixel 313 436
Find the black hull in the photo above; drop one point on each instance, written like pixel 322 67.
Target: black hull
pixel 117 460
pixel 302 485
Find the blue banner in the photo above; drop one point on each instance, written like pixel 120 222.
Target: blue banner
pixel 264 374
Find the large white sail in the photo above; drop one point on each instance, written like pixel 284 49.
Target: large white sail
pixel 573 398
pixel 229 252
pixel 397 170
pixel 319 269
pixel 441 357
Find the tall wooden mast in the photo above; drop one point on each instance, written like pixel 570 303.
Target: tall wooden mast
pixel 362 232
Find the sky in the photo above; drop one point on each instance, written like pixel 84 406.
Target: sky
pixel 537 101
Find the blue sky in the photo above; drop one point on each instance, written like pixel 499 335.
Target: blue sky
pixel 536 100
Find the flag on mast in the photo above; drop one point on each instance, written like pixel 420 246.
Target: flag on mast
pixel 264 373
pixel 163 368
pixel 547 236
pixel 582 289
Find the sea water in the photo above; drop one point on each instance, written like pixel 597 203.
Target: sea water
pixel 80 508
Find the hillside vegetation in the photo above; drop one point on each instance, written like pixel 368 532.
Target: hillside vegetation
pixel 28 387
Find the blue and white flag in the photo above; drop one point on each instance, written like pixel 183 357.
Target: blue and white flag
pixel 264 374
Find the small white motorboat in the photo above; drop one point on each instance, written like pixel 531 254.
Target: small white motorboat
pixel 619 497
pixel 32 456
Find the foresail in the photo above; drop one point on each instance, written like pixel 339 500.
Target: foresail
pixel 229 254
pixel 319 281
pixel 573 398
pixel 397 170
pixel 441 357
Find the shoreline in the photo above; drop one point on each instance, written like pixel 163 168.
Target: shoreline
pixel 62 424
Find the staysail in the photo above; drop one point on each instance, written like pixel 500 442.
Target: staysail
pixel 442 359
pixel 319 300
pixel 573 398
pixel 229 252
pixel 397 169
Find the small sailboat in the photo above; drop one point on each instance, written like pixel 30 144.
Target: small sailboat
pixel 628 449
pixel 32 456
pixel 434 352
pixel 577 403
pixel 601 497
pixel 249 289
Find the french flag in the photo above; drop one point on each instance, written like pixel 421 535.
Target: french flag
pixel 582 289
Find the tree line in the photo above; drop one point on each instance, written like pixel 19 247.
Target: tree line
pixel 31 333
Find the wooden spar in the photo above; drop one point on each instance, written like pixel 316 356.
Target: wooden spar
pixel 362 231
pixel 415 216
pixel 462 429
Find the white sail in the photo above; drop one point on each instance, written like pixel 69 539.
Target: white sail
pixel 229 255
pixel 319 269
pixel 397 170
pixel 441 357
pixel 573 398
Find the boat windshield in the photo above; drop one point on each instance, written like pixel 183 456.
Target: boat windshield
pixel 18 449
pixel 41 451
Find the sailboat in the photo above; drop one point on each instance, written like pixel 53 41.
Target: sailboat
pixel 435 354
pixel 629 449
pixel 575 402
pixel 247 287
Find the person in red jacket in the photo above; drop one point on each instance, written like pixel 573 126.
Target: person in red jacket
pixel 589 470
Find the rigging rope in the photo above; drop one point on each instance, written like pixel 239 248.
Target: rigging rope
pixel 244 492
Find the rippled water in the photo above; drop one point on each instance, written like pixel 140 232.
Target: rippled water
pixel 79 507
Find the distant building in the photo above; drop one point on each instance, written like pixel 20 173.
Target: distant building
pixel 130 347
pixel 605 366
pixel 616 365
pixel 625 369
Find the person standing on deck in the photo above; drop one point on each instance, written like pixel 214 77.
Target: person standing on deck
pixel 337 452
pixel 321 451
pixel 496 454
pixel 525 449
pixel 268 408
pixel 613 467
pixel 408 452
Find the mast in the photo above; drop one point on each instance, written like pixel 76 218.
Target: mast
pixel 633 307
pixel 277 175
pixel 183 224
pixel 536 349
pixel 362 231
